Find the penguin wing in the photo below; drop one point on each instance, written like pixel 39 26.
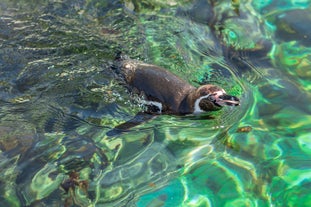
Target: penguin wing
pixel 138 119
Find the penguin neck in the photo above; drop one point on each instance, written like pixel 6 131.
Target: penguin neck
pixel 187 105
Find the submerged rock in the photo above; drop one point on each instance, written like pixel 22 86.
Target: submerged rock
pixel 294 25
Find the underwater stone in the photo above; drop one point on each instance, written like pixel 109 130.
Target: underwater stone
pixel 294 25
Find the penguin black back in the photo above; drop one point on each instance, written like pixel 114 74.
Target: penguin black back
pixel 157 84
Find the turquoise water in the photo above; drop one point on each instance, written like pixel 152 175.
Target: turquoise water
pixel 60 95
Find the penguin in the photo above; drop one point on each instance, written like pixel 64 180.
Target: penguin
pixel 166 93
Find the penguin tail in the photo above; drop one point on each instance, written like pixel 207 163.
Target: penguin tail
pixel 117 62
pixel 120 56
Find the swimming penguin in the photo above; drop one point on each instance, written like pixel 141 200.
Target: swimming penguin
pixel 166 93
pixel 169 93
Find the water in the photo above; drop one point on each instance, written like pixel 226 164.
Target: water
pixel 59 96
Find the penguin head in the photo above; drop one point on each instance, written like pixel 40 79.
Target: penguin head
pixel 211 98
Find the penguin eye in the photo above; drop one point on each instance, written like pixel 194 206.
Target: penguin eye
pixel 212 97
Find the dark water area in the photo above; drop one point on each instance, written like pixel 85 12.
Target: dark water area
pixel 60 94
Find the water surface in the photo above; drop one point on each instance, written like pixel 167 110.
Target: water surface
pixel 60 95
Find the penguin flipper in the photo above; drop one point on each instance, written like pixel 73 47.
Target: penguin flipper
pixel 138 119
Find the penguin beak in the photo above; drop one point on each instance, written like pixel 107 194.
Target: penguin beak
pixel 225 100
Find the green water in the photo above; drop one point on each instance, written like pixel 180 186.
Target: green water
pixel 59 95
